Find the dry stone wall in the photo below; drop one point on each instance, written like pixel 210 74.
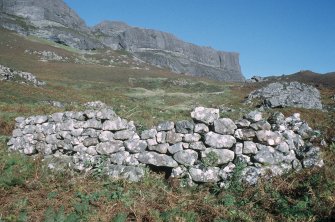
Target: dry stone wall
pixel 206 149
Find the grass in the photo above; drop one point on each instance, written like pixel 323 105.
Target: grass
pixel 30 192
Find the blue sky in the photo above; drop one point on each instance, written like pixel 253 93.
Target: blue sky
pixel 273 37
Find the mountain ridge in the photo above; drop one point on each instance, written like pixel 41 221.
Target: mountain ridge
pixel 54 20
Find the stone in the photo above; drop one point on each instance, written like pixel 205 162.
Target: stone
pixel 148 134
pixel 115 125
pixel 51 139
pixel 17 133
pixel 156 159
pixel 244 134
pixel 152 142
pixel 160 148
pixel 161 137
pixel 40 119
pixel 269 156
pixel 93 123
pixel 90 142
pixel 226 172
pixel 238 148
pixel 135 145
pixel 105 114
pixel 242 123
pixel 91 151
pixel 210 174
pixel 261 125
pixel 201 128
pixel 30 129
pixel 219 141
pixel 77 132
pixel 249 147
pixel 119 157
pixel 190 138
pixel 288 94
pixel 283 147
pixel 109 147
pixel 173 138
pixel 277 118
pixel 123 135
pixel 224 126
pixel 106 136
pixel 268 137
pixel 186 157
pixel 242 160
pixel 131 173
pixel 197 146
pixel 185 127
pixel 165 126
pixel 223 155
pixel 175 148
pixel 312 158
pixel 205 115
pixel 254 116
pixel 250 175
pixel 305 131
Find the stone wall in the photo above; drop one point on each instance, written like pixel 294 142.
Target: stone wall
pixel 206 149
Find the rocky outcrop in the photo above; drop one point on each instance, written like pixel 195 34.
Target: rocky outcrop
pixel 50 19
pixel 7 74
pixel 206 150
pixel 165 50
pixel 288 94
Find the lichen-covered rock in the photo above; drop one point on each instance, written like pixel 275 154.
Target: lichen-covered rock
pixel 135 145
pixel 115 125
pixel 201 128
pixel 191 138
pixel 249 147
pixel 224 126
pixel 186 157
pixel 175 148
pixel 131 173
pixel 261 125
pixel 219 141
pixel 312 158
pixel 244 134
pixel 160 148
pixel 184 126
pixel 109 147
pixel 268 137
pixel 148 134
pixel 157 159
pixel 223 155
pixel 210 174
pixel 124 135
pixel 288 94
pixel 197 146
pixel 254 116
pixel 165 126
pixel 173 138
pixel 205 115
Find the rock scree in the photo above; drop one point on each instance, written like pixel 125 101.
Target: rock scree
pixel 288 94
pixel 207 149
pixel 8 74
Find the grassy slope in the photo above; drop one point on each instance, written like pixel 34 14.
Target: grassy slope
pixel 28 192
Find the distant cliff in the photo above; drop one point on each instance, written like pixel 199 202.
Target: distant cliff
pixel 54 20
pixel 165 50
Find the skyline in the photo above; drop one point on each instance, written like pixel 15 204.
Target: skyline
pixel 272 37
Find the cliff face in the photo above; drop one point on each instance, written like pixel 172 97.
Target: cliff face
pixel 54 20
pixel 50 19
pixel 165 50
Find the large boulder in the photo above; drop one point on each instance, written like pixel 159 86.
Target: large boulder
pixel 288 94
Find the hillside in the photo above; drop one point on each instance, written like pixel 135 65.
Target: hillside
pixel 149 95
pixel 55 21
